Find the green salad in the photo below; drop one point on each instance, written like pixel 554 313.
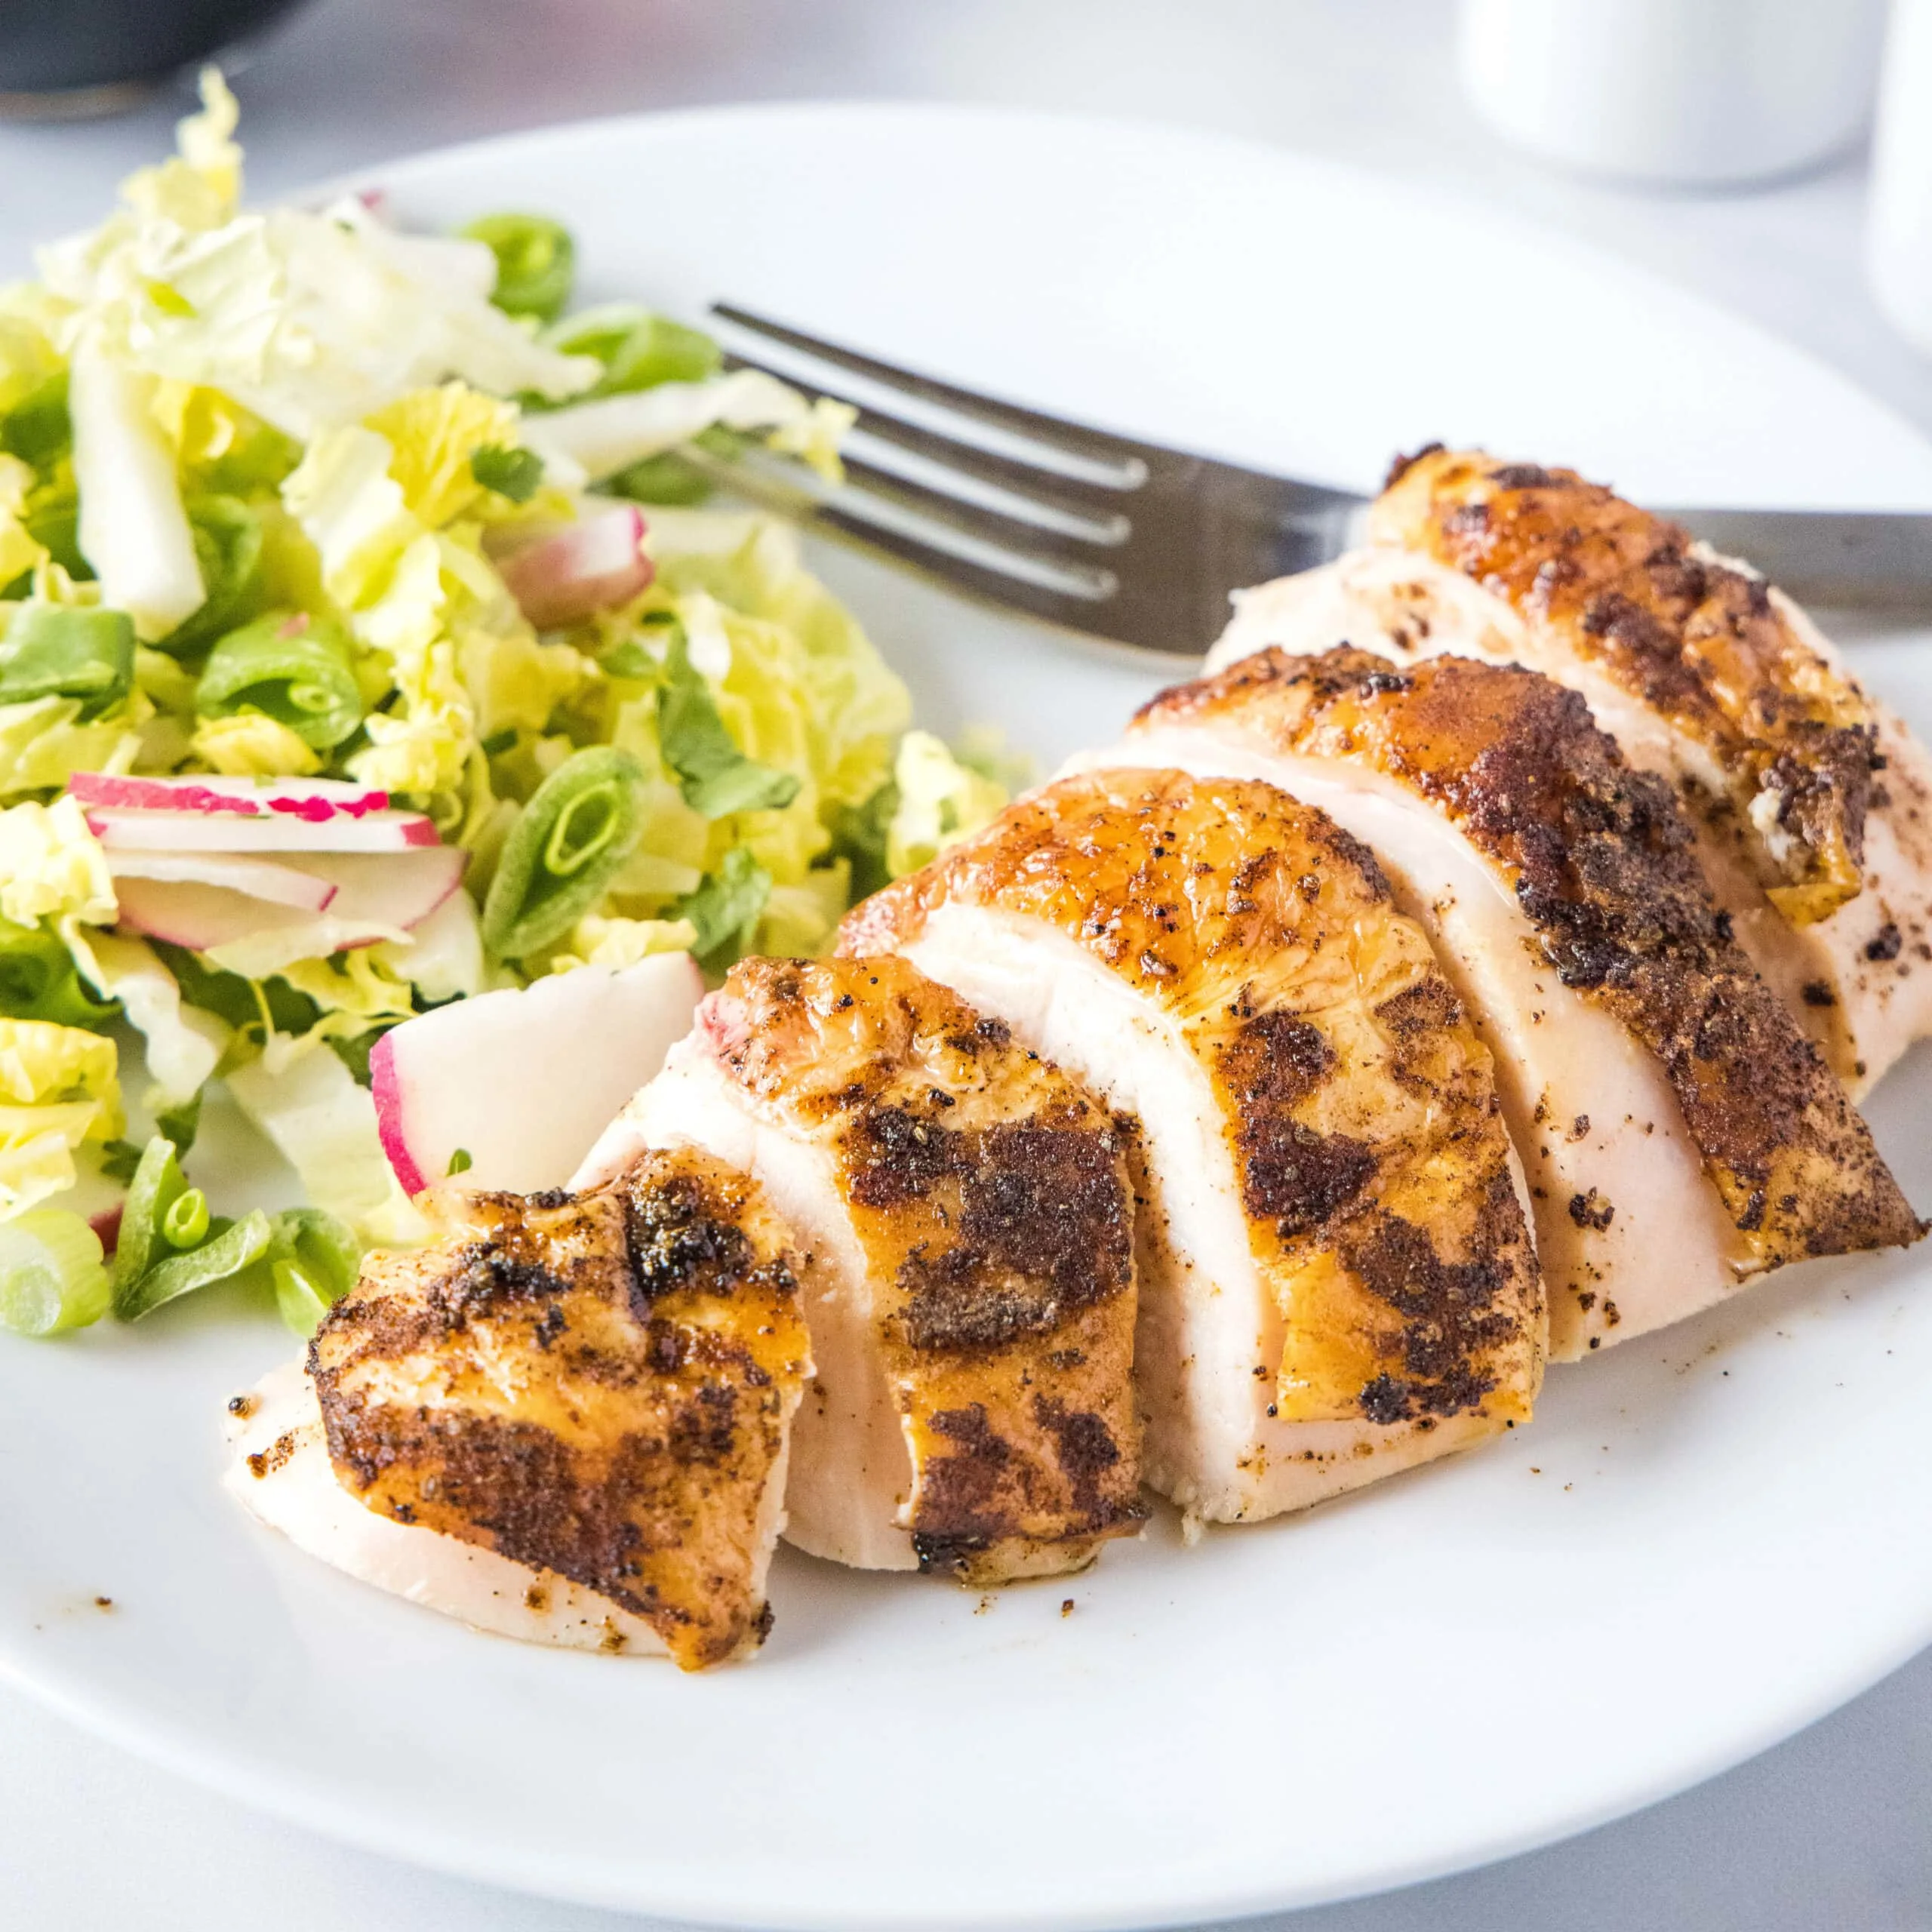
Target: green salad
pixel 369 638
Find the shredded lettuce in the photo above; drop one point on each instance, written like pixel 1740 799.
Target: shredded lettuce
pixel 52 865
pixel 58 1088
pixel 303 1098
pixel 44 741
pixel 939 800
pixel 598 942
pixel 262 473
pixel 184 1044
pixel 611 432
pixel 134 528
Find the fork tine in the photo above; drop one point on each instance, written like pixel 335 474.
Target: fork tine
pixel 1054 432
pixel 958 572
pixel 1077 495
pixel 1077 498
pixel 984 520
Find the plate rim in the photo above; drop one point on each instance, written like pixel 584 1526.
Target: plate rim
pixel 307 1800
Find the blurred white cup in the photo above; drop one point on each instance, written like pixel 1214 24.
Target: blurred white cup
pixel 1899 234
pixel 1694 93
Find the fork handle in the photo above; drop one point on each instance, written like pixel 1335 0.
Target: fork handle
pixel 1859 559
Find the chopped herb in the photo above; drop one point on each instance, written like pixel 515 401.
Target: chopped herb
pixel 516 474
pixel 725 909
pixel 716 778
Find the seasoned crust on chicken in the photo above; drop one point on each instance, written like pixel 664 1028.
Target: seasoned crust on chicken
pixel 601 1385
pixel 1855 978
pixel 971 1289
pixel 1600 861
pixel 1704 644
pixel 1330 1231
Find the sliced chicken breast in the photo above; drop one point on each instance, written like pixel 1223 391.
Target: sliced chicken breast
pixel 599 1387
pixel 1813 805
pixel 968 1220
pixel 1337 1277
pixel 279 1470
pixel 1679 1133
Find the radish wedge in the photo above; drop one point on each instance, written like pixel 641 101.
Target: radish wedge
pixel 591 566
pixel 314 800
pixel 520 1083
pixel 123 831
pixel 259 878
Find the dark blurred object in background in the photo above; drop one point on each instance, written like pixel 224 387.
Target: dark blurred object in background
pixel 67 59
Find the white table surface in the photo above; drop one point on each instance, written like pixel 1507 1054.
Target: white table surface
pixel 1828 1831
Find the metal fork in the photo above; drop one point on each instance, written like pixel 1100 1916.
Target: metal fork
pixel 1131 541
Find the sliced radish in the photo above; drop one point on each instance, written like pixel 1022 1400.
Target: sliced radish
pixel 370 897
pixel 315 800
pixel 387 888
pixel 259 878
pixel 200 917
pixel 523 1082
pixel 124 831
pixel 591 566
pixel 106 1226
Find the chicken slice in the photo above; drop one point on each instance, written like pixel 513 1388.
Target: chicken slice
pixel 1680 1134
pixel 1813 805
pixel 279 1470
pixel 970 1279
pixel 600 1386
pixel 1337 1280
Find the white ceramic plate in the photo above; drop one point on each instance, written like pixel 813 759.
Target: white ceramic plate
pixel 1708 1539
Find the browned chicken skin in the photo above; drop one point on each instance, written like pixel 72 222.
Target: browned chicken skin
pixel 1334 1261
pixel 599 1384
pixel 1701 643
pixel 1600 861
pixel 970 1284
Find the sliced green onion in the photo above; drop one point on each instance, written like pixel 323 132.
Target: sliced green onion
pixel 667 478
pixel 38 980
pixel 567 844
pixel 627 658
pixel 725 909
pixel 516 474
pixel 50 1274
pixel 297 1300
pixel 259 458
pixel 290 667
pixel 638 349
pixel 53 520
pixel 461 1162
pixel 313 1262
pixel 715 777
pixel 158 1184
pixel 535 262
pixel 38 429
pixel 67 651
pixel 228 546
pixel 230 1249
pixel 185 1223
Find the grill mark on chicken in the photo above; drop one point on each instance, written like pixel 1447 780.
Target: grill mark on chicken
pixel 989 1196
pixel 599 1385
pixel 1238 891
pixel 1701 643
pixel 1602 860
